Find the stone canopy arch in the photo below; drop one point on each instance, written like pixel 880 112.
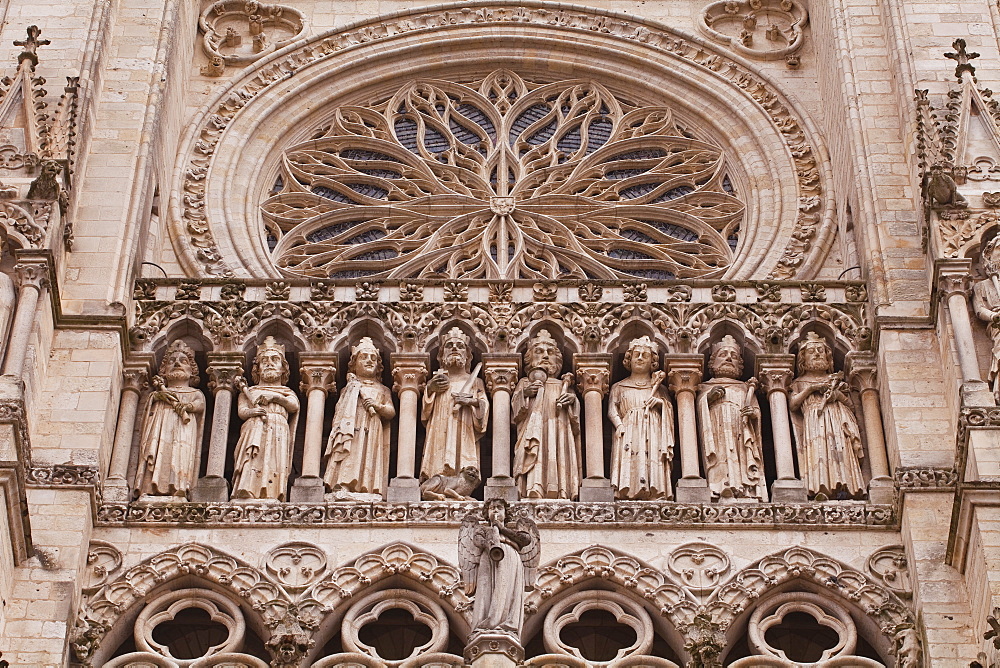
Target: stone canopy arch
pixel 782 163
pixel 105 615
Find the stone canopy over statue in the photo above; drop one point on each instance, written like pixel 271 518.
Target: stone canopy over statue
pixel 826 429
pixel 642 451
pixel 547 461
pixel 357 451
pixel 172 429
pixel 729 416
pixel 270 410
pixel 497 556
pixel 455 413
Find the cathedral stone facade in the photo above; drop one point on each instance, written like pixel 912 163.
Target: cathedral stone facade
pixel 500 334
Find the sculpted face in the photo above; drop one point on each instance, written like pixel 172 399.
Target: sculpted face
pixel 177 366
pixel 454 353
pixel 497 513
pixel 727 363
pixel 815 357
pixel 366 363
pixel 642 359
pixel 271 366
pixel 545 355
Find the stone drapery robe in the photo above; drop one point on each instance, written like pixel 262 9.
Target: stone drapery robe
pixel 264 451
pixel 170 446
pixel 641 459
pixel 829 443
pixel 358 448
pixel 499 600
pixel 453 431
pixel 731 441
pixel 547 461
pixel 985 299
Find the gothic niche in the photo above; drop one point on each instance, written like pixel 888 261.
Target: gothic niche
pixel 503 178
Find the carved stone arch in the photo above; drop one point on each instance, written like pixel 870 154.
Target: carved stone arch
pixel 634 327
pixel 879 613
pixel 105 618
pixel 157 333
pixel 560 331
pixel 477 341
pixel 599 567
pixel 283 329
pixel 397 565
pixel 762 130
pixel 701 323
pixel 834 338
pixel 365 324
pixel 733 327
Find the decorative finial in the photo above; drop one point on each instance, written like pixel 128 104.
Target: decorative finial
pixel 963 58
pixel 31 45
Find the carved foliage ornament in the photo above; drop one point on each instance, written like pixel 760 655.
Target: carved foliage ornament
pixel 426 154
pixel 594 186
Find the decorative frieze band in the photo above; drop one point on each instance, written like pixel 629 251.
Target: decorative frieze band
pixel 63 475
pixel 917 478
pixel 546 514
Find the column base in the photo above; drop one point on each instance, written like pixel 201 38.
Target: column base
pixel 596 489
pixel 881 490
pixel 789 491
pixel 500 487
pixel 403 490
pixel 210 489
pixel 493 650
pixel 115 491
pixel 693 490
pixel 308 489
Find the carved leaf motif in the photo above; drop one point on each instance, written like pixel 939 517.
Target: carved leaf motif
pixel 503 179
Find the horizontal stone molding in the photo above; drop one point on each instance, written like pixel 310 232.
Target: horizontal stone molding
pixel 548 514
pixel 925 479
pixel 63 475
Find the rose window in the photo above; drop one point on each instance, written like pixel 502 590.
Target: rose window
pixel 504 178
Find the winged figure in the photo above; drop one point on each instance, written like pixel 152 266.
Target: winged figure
pixel 498 556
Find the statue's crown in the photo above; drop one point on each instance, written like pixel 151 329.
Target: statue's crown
pixel 179 346
pixel 642 342
pixel 813 339
pixel 271 344
pixel 726 342
pixel 544 336
pixel 364 344
pixel 456 334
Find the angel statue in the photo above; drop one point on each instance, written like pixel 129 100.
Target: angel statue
pixel 498 556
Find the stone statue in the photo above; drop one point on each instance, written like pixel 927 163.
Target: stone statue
pixel 986 303
pixel 458 487
pixel 730 427
pixel 498 557
pixel 547 414
pixel 358 449
pixel 642 449
pixel 826 429
pixel 907 647
pixel 270 410
pixel 455 411
pixel 171 432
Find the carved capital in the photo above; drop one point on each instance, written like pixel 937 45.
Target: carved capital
pixel 135 377
pixel 593 372
pixel 862 371
pixel 775 372
pixel 953 277
pixel 32 274
pixel 500 372
pixel 223 370
pixel 685 371
pixel 409 371
pixel 318 371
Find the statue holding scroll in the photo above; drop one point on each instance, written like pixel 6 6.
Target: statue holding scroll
pixel 357 452
pixel 498 557
pixel 730 427
pixel 270 410
pixel 826 429
pixel 642 449
pixel 455 413
pixel 171 432
pixel 547 414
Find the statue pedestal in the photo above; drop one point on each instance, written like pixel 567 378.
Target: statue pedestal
pixel 210 489
pixel 693 490
pixel 793 491
pixel 307 489
pixel 881 490
pixel 403 490
pixel 493 650
pixel 500 487
pixel 596 489
pixel 114 491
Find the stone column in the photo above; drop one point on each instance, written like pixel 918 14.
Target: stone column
pixel 685 371
pixel 134 381
pixel 409 371
pixel 319 376
pixel 593 374
pixel 32 277
pixel 223 370
pixel 775 373
pixel 500 371
pixel 864 374
pixel 953 282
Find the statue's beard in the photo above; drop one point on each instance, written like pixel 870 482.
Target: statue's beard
pixel 270 376
pixel 725 370
pixel 550 369
pixel 455 360
pixel 816 365
pixel 178 373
